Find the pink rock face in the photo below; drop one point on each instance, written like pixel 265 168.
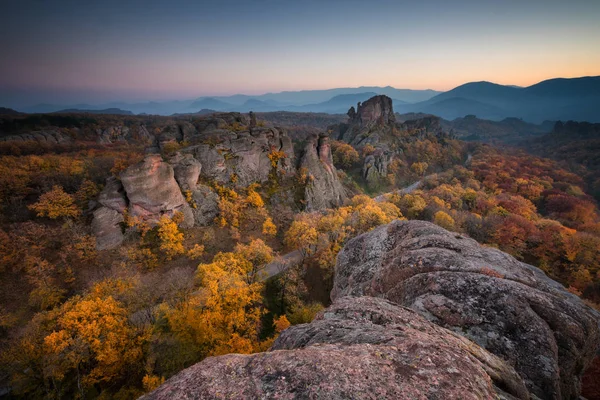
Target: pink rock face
pixel 376 110
pixel 324 189
pixel 152 191
pixel 324 149
pixel 359 348
pixel 113 195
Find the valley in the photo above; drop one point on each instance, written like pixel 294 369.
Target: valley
pixel 185 237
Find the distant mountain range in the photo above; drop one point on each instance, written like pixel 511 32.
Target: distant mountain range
pixel 508 130
pixel 331 101
pixel 575 99
pixel 8 111
pixel 113 111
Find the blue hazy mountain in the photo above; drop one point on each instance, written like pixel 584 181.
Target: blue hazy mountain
pixel 555 99
pixel 575 99
pixel 114 111
pixel 338 104
pixel 286 101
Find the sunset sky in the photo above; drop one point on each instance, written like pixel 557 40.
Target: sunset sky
pixel 66 51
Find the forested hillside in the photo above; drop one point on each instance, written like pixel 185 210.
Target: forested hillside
pixel 133 247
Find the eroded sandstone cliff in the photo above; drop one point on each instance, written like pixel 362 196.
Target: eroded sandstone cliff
pixel 323 188
pixel 224 151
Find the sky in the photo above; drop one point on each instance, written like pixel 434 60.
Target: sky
pixel 70 51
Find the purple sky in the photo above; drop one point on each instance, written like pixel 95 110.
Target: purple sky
pixel 67 51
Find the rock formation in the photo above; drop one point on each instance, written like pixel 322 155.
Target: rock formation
pixel 376 110
pixel 323 188
pixel 155 187
pixel 372 116
pixel 359 348
pixel 375 166
pixel 113 134
pixel 113 195
pixel 373 123
pixel 152 191
pixel 106 225
pixel 510 308
pixel 51 137
pixel 177 133
pixel 204 202
pixel 149 190
pixel 243 157
pixel 146 190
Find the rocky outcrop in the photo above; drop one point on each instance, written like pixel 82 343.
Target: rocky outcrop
pixel 375 166
pixel 108 218
pixel 359 348
pixel 323 188
pixel 376 110
pixel 222 121
pixel 113 134
pixel 152 191
pixel 204 202
pixel 510 308
pixel 106 227
pixel 143 135
pixel 368 122
pixel 186 170
pixel 113 195
pixel 49 137
pixel 177 133
pixel 242 157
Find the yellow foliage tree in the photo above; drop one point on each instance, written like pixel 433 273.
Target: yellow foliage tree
pixel 257 252
pixel 281 324
pixel 151 382
pixel 196 252
pixel 368 214
pixel 269 228
pixel 224 315
pixel 344 155
pixel 170 237
pixel 419 168
pixel 244 261
pixel 254 199
pixel 413 204
pixel 302 236
pixel 444 220
pixel 56 204
pixel 92 341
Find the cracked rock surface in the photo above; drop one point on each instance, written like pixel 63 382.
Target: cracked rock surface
pixel 359 348
pixel 510 308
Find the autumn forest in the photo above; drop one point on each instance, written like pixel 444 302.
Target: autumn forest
pixel 81 318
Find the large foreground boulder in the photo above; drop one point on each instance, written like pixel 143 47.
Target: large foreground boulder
pixel 359 348
pixel 510 308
